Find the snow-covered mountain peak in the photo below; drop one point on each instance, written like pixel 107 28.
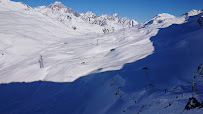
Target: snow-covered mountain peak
pixel 193 12
pixel 116 15
pixel 90 14
pixel 111 17
pixel 163 16
pixel 162 20
pixel 57 9
pixel 57 4
pixel 189 14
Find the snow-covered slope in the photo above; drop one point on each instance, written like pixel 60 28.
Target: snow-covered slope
pixel 143 69
pixel 24 32
pixel 27 34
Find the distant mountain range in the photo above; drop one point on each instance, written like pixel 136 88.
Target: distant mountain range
pixel 106 23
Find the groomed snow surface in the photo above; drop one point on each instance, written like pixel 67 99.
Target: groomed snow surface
pixel 98 64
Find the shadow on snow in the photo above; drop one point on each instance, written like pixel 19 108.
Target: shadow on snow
pixel 175 58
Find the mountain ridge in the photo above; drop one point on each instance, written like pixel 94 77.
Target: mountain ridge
pixel 108 23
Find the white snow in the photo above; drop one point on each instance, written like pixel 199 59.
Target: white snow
pixel 132 68
pixel 26 35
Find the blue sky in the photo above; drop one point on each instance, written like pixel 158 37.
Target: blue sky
pixel 140 10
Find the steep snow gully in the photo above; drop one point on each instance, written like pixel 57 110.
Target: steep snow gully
pixel 158 83
pixel 149 68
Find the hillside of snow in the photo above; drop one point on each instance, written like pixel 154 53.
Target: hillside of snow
pixel 56 60
pixel 79 53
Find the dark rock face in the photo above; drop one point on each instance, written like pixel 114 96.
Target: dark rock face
pixel 200 21
pixel 199 72
pixel 193 103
